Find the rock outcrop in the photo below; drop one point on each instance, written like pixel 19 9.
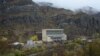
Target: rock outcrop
pixel 21 16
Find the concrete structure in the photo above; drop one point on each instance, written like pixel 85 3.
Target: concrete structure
pixel 50 35
pixel 30 44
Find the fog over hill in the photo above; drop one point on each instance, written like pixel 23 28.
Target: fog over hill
pixel 44 4
pixel 73 4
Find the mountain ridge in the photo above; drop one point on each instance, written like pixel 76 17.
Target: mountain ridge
pixel 25 16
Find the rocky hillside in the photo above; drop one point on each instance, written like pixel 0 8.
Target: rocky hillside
pixel 17 16
pixel 20 16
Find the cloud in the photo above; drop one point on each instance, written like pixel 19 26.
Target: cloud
pixel 73 4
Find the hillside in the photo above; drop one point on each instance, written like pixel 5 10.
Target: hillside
pixel 18 17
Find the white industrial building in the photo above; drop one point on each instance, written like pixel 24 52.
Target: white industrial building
pixel 50 35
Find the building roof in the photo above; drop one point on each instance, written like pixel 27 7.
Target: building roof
pixel 52 29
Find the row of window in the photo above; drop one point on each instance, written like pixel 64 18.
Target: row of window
pixel 54 32
pixel 56 38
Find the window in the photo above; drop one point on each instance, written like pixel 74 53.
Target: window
pixel 56 38
pixel 54 32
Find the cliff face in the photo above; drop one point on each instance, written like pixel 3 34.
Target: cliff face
pixel 17 13
pixel 17 17
pixel 21 16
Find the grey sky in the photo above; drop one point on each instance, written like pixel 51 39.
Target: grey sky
pixel 73 4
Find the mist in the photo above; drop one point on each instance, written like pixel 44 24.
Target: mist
pixel 73 4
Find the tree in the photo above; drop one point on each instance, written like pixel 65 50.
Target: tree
pixel 34 38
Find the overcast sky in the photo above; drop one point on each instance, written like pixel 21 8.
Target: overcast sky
pixel 73 4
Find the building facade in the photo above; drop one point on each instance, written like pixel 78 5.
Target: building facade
pixel 50 35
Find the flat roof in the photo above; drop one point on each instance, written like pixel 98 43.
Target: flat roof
pixel 52 29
